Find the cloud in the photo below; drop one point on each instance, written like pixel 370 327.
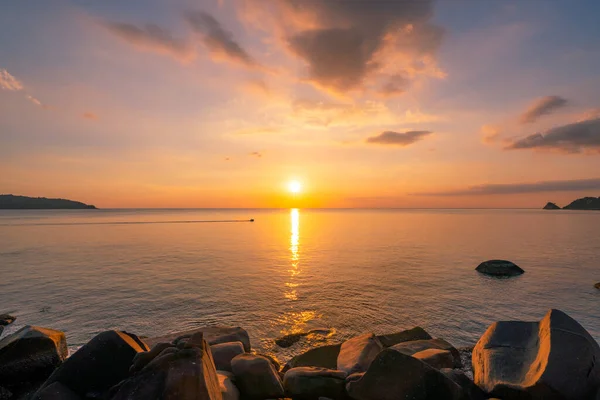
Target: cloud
pixel 151 37
pixel 571 138
pixel 519 188
pixel 9 82
pixel 37 102
pixel 542 106
pixel 219 41
pixel 489 134
pixel 89 115
pixel 256 154
pixel 398 139
pixel 395 85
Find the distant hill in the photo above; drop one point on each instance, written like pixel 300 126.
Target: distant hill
pixel 11 202
pixel 586 203
pixel 551 206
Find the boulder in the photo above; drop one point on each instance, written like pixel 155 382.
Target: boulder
pixel 176 373
pixel 256 377
pixel 416 346
pixel 5 394
pixel 30 355
pixel 213 335
pixel 56 391
pixel 99 364
pixel 223 353
pixel 416 333
pixel 6 319
pixel 322 356
pixel 289 340
pixel 310 383
pixel 228 389
pixel 357 353
pixel 473 391
pixel 436 358
pixel 499 268
pixel 553 358
pixel 597 285
pixel 394 375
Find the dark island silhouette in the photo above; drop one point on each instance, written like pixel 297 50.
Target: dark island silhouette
pixel 585 203
pixel 12 202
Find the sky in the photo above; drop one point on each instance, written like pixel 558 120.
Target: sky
pixel 366 103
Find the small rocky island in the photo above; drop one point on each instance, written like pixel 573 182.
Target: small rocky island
pixel 585 203
pixel 12 202
pixel 555 358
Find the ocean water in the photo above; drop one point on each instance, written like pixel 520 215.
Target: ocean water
pixel 153 272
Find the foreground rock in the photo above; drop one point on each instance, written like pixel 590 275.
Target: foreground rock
pixel 499 268
pixel 436 358
pixel 413 347
pixel 322 356
pixel 553 359
pixel 101 363
pixel 30 355
pixel 473 391
pixel 551 206
pixel 223 353
pixel 356 354
pixel 183 372
pixel 394 375
pixel 56 391
pixel 416 333
pixel 256 377
pixel 213 335
pixel 228 389
pixel 308 383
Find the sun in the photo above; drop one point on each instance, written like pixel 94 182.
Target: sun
pixel 294 187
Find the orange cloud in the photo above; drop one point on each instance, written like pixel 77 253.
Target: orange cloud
pixel 89 115
pixel 9 82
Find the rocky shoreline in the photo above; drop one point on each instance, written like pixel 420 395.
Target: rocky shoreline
pixel 554 358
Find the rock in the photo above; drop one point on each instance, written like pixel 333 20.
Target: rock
pixel 499 268
pixel 141 359
pixel 322 356
pixel 357 353
pixel 30 355
pixel 56 391
pixel 6 319
pixel 309 383
pixel 436 358
pixel 289 340
pixel 416 333
pixel 597 285
pixel 99 364
pixel 555 358
pixel 473 391
pixel 415 346
pixel 228 389
pixel 551 206
pixel 176 373
pixel 394 375
pixel 223 353
pixel 5 394
pixel 273 360
pixel 256 377
pixel 213 335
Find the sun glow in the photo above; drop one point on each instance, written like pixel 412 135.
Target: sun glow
pixel 294 187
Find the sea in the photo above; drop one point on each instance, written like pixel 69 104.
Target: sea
pixel 339 272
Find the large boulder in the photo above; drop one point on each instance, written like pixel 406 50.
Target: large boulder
pixel 394 375
pixel 416 333
pixel 310 383
pixel 499 268
pixel 473 391
pixel 182 372
pixel 555 358
pixel 228 389
pixel 436 358
pixel 223 353
pixel 213 335
pixel 99 364
pixel 416 346
pixel 56 391
pixel 322 356
pixel 30 355
pixel 256 377
pixel 357 353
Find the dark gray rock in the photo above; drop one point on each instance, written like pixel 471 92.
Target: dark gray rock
pixel 555 358
pixel 322 356
pixel 473 391
pixel 30 355
pixel 416 333
pixel 415 346
pixel 256 377
pixel 6 319
pixel 394 375
pixel 99 364
pixel 5 394
pixel 499 268
pixel 213 335
pixel 228 389
pixel 56 391
pixel 310 383
pixel 223 353
pixel 357 353
pixel 436 358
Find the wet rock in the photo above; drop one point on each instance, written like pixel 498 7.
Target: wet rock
pixel 256 377
pixel 228 389
pixel 394 375
pixel 213 335
pixel 141 359
pixel 357 353
pixel 473 391
pixel 6 319
pixel 176 373
pixel 223 353
pixel 289 340
pixel 309 383
pixel 553 358
pixel 499 268
pixel 436 358
pixel 416 333
pixel 415 346
pixel 322 356
pixel 273 360
pixel 98 365
pixel 30 355
pixel 597 285
pixel 56 391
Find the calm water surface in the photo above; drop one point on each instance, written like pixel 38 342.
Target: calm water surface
pixel 352 271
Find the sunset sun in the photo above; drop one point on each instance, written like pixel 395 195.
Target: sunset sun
pixel 294 187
